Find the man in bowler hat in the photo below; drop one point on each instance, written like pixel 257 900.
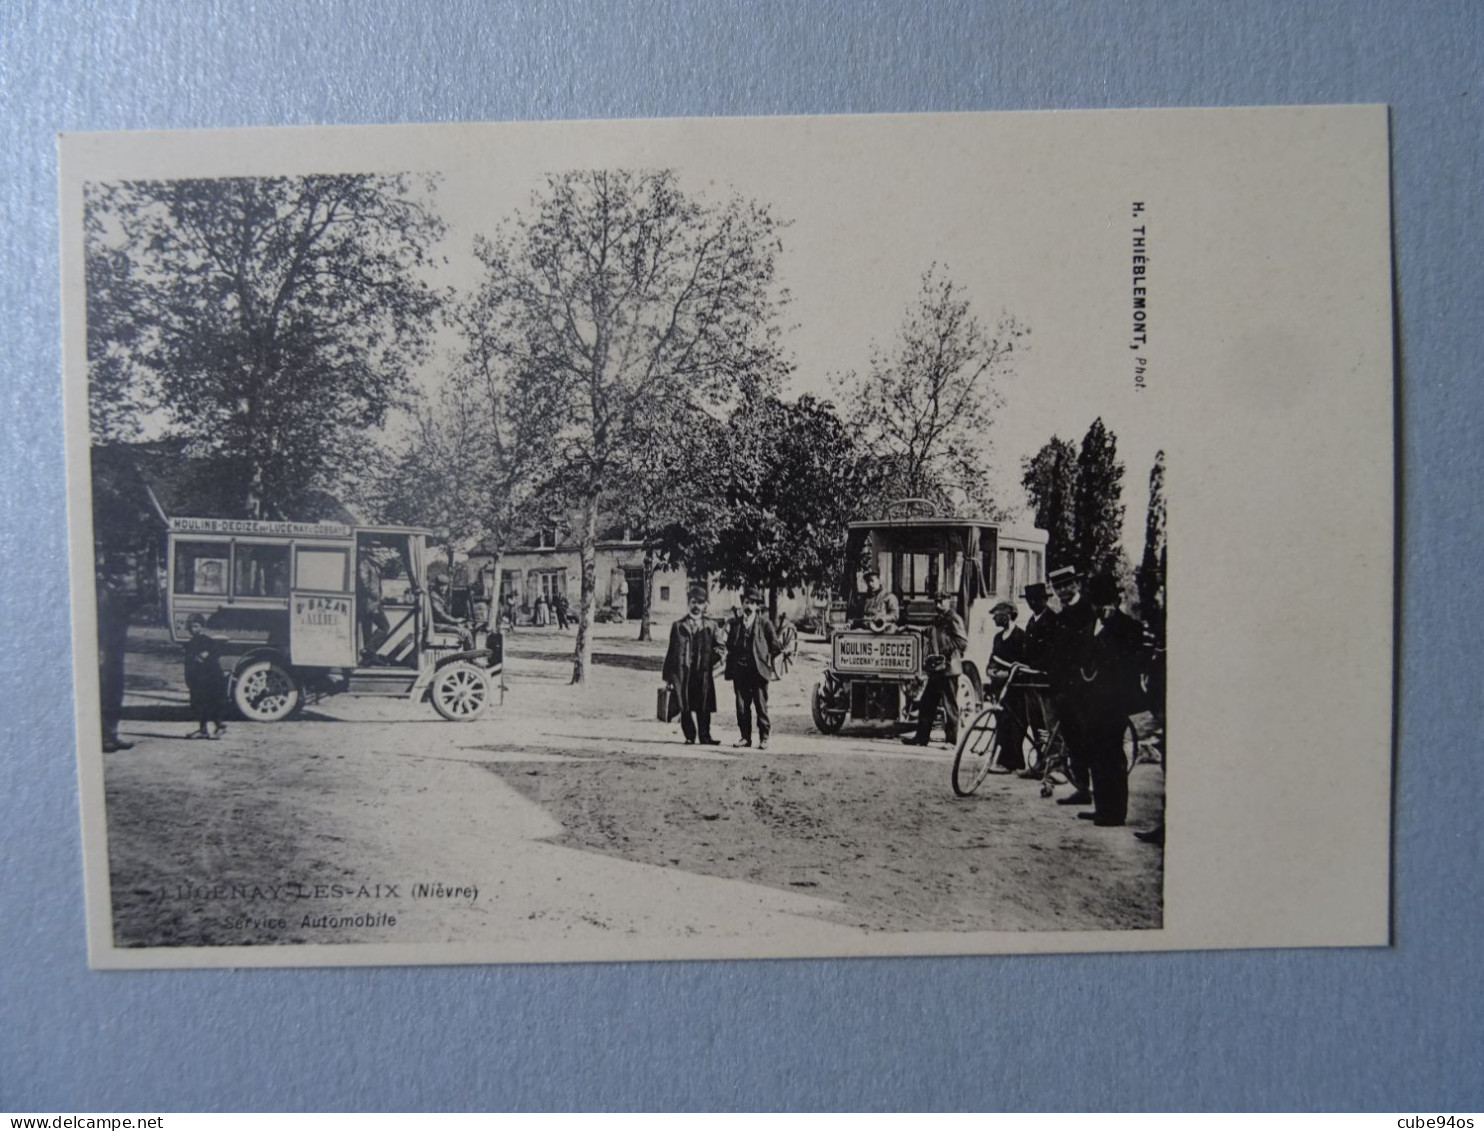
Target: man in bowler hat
pixel 1108 692
pixel 752 642
pixel 1074 618
pixel 694 651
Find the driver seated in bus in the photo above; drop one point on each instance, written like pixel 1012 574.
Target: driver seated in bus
pixel 877 605
pixel 438 597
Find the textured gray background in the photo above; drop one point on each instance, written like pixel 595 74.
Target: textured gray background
pixel 1390 1029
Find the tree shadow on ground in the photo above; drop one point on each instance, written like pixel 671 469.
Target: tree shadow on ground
pixel 633 663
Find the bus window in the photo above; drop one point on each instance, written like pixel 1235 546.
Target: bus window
pixel 260 571
pixel 201 567
pixel 323 568
pixel 1022 572
pixel 1038 571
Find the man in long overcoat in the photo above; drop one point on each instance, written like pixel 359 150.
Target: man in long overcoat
pixel 752 642
pixel 694 652
pixel 1107 693
pixel 1074 618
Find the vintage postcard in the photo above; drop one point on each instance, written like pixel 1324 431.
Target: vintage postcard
pixel 732 538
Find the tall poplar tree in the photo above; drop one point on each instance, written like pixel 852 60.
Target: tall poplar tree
pixel 1097 505
pixel 1050 481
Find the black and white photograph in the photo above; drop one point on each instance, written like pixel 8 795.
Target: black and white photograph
pixel 747 538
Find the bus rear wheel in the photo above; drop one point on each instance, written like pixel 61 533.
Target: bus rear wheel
pixel 265 691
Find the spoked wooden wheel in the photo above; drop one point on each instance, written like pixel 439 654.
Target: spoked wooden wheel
pixel 976 752
pixel 461 692
pixel 264 691
pixel 829 715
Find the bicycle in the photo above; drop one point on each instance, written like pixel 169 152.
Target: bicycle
pixel 1023 698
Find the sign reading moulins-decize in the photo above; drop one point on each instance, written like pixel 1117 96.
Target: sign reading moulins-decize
pixel 868 652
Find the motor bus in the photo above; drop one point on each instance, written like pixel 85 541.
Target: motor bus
pixel 877 672
pixel 292 604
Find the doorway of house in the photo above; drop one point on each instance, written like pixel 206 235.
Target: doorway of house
pixel 634 578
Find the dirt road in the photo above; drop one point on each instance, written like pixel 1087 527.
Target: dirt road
pixel 570 814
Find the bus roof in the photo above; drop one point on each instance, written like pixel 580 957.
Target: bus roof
pixel 920 522
pixel 258 527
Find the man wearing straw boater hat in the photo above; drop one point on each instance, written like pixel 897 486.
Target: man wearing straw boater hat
pixel 752 642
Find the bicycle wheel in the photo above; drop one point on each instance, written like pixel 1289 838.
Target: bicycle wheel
pixel 1130 747
pixel 976 752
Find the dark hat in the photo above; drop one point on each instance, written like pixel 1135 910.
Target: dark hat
pixel 195 618
pixel 870 572
pixel 697 593
pixel 1064 574
pixel 755 596
pixel 1103 590
pixel 1005 607
pixel 1034 589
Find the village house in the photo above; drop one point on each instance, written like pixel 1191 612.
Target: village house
pixel 549 561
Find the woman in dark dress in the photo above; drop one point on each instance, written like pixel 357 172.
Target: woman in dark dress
pixel 205 679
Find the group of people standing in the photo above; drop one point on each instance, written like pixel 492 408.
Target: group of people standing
pixel 1091 654
pixel 748 648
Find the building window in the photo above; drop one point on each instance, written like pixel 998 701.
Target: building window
pixel 548 538
pixel 664 592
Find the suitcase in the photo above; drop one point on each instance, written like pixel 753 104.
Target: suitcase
pixel 665 707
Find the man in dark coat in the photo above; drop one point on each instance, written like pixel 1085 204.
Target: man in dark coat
pixel 114 607
pixel 693 653
pixel 1007 650
pixel 945 641
pixel 1041 647
pixel 752 642
pixel 1040 631
pixel 1074 618
pixel 1107 692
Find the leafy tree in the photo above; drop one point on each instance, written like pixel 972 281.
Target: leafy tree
pixel 617 301
pixel 439 477
pixel 925 404
pixel 272 320
pixel 774 513
pixel 1097 504
pixel 662 479
pixel 1151 572
pixel 1050 481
